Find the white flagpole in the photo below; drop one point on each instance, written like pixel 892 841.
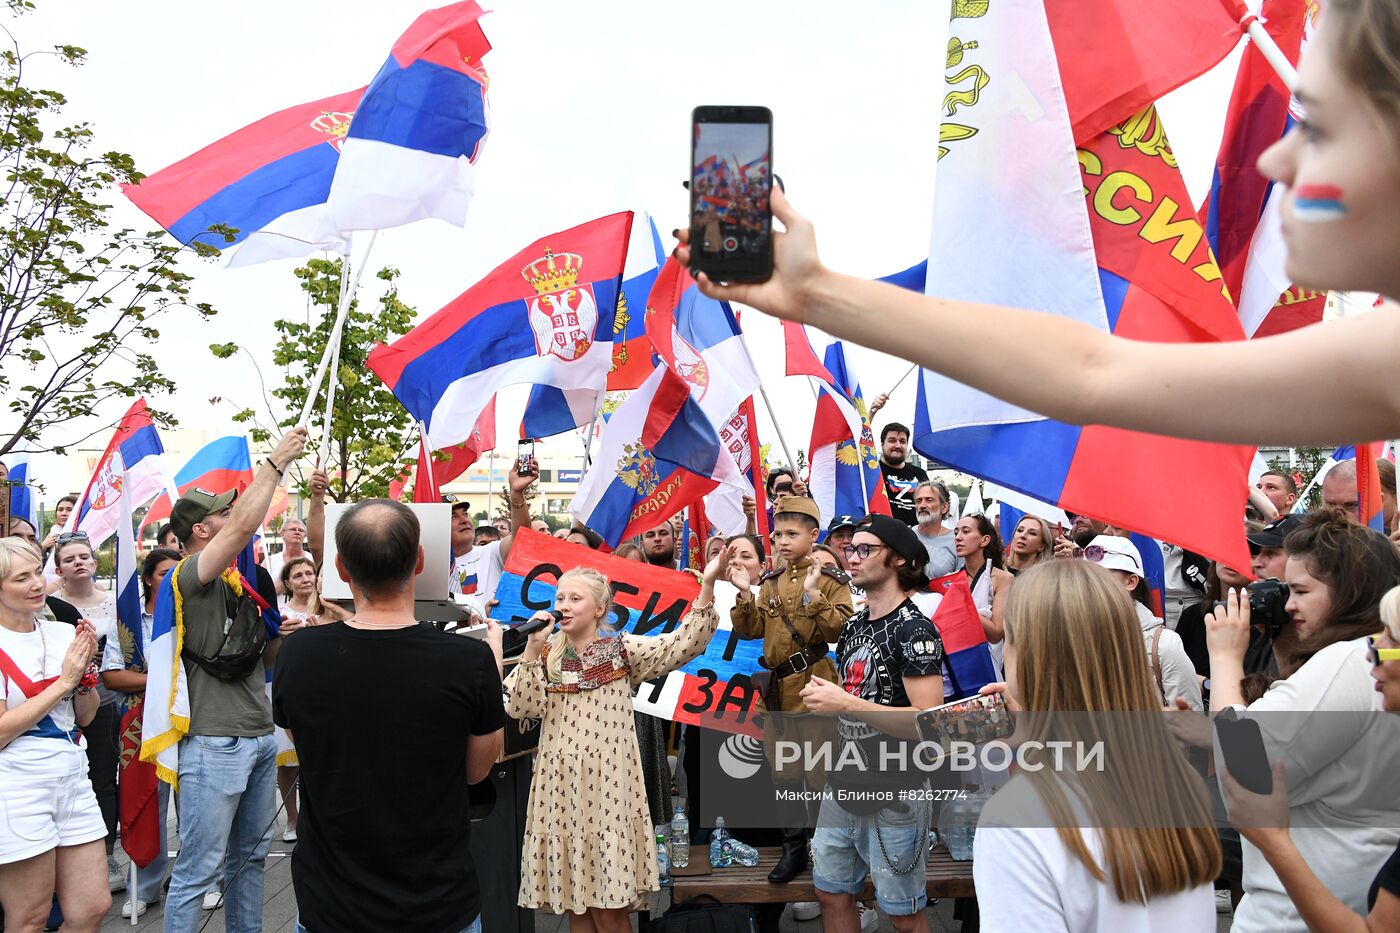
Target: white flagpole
pixel 902 378
pixel 427 448
pixel 131 891
pixel 1265 43
pixel 332 359
pixel 777 427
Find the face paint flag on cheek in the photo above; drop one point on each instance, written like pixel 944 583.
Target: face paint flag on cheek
pixel 1318 203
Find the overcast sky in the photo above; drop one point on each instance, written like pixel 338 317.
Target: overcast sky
pixel 590 106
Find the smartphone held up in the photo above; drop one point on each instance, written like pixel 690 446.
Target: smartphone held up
pixel 731 177
pixel 524 454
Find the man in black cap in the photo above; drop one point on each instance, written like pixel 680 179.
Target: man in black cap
pixel 889 656
pixel 228 758
pixel 1267 545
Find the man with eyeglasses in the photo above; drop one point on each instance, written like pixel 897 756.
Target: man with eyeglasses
pixel 889 657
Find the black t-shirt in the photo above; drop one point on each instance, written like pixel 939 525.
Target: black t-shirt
pixel 1389 879
pixel 63 611
pixel 900 483
pixel 381 721
pixel 873 656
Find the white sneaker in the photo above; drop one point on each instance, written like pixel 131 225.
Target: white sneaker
pixel 806 910
pixel 289 836
pixel 140 908
pixel 116 876
pixel 213 900
pixel 869 919
pixel 1222 903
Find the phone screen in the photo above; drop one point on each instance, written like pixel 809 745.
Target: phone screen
pixel 524 452
pixel 731 178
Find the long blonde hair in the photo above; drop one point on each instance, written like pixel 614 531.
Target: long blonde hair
pixel 1047 545
pixel 1079 652
pixel 602 595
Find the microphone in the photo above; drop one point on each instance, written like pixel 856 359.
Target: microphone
pixel 534 625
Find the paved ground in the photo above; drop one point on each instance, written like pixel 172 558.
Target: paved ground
pixel 279 907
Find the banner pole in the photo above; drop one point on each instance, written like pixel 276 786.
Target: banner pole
pixel 1265 42
pixel 427 446
pixel 902 378
pixel 347 298
pixel 131 888
pixel 777 428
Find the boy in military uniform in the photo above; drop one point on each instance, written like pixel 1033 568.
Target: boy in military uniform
pixel 799 610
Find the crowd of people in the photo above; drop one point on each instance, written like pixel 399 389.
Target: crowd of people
pixel 1172 831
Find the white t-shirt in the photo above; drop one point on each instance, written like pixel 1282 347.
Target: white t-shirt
pixel 476 573
pixel 1341 765
pixel 53 747
pixel 1028 880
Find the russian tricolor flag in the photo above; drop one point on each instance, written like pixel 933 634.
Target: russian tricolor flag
pixel 967 658
pixel 218 466
pixel 1101 237
pixel 659 454
pixel 844 476
pixel 132 466
pixel 418 130
pixel 269 181
pixel 1242 214
pixel 543 317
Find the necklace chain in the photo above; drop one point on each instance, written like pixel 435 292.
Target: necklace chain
pixel 43 649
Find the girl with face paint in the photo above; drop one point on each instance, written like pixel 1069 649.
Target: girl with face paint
pixel 1341 165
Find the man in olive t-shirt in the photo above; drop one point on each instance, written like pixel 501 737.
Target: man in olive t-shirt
pixel 228 759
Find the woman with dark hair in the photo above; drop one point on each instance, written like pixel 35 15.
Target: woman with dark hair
pixel 584 536
pixel 124 673
pixel 977 543
pixel 1338 766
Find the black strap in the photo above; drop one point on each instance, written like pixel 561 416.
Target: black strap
pixel 782 614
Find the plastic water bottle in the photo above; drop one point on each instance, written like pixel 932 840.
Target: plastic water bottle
pixel 743 853
pixel 663 859
pixel 721 854
pixel 959 834
pixel 975 802
pixel 680 839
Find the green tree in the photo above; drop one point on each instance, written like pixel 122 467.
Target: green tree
pixel 78 300
pixel 371 433
pixel 1307 461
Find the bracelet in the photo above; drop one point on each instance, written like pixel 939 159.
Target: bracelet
pixel 517 503
pixel 89 681
pixel 268 461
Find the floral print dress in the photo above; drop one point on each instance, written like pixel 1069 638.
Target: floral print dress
pixel 588 835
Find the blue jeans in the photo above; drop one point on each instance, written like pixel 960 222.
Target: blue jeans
pixel 846 846
pixel 227 800
pixel 474 927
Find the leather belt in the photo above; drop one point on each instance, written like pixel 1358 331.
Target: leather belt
pixel 799 662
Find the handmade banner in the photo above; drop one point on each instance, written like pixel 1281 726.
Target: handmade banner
pixel 713 690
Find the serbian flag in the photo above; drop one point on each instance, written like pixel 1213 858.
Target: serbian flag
pixel 133 465
pixel 1368 487
pixel 659 453
pixel 1242 214
pixel 450 462
pixel 23 502
pixel 845 476
pixel 967 658
pixel 1102 237
pixel 220 465
pixel 739 435
pixel 419 128
pixel 544 317
pixel 268 181
pixel 136 790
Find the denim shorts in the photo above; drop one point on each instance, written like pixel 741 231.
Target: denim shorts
pixel 846 847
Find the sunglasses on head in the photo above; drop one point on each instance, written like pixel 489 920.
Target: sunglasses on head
pixel 72 536
pixel 1097 552
pixel 1380 655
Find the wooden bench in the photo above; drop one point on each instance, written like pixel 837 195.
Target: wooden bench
pixel 740 885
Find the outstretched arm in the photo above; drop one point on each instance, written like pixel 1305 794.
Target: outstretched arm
pixel 1077 374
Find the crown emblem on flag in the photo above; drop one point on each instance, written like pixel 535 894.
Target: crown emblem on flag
pixel 551 272
pixel 334 124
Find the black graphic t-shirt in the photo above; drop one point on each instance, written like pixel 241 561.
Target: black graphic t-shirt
pixel 873 656
pixel 900 483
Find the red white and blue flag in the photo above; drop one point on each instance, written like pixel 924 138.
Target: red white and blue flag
pixel 435 469
pixel 23 502
pixel 1085 184
pixel 659 453
pixel 132 466
pixel 1371 512
pixel 419 128
pixel 268 181
pixel 543 317
pixel 222 464
pixel 845 476
pixel 1242 214
pixel 967 658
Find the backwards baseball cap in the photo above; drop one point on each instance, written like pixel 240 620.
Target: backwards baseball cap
pixel 840 522
pixel 801 505
pixel 1272 534
pixel 194 507
pixel 898 537
pixel 1114 553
